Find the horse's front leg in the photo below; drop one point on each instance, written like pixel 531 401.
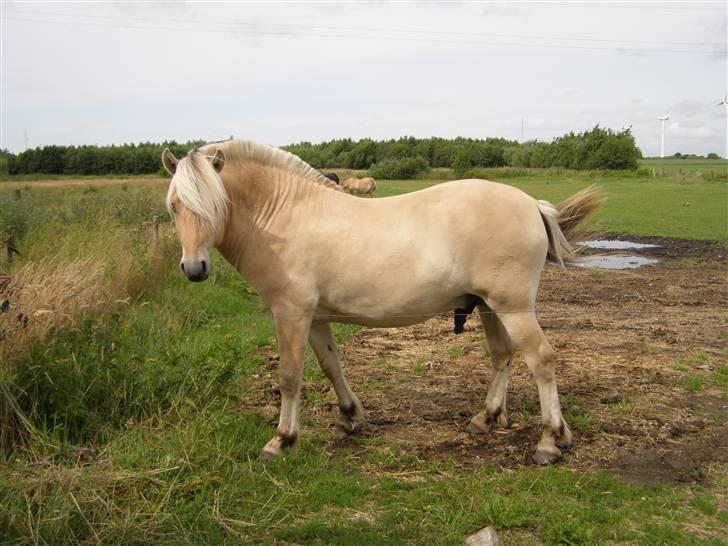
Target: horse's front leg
pixel 292 329
pixel 351 412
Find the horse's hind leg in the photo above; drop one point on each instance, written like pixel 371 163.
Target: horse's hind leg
pixel 527 336
pixel 501 352
pixel 351 412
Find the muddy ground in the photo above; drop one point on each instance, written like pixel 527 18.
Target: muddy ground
pixel 639 376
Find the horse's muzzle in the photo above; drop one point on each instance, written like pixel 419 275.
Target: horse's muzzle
pixel 195 270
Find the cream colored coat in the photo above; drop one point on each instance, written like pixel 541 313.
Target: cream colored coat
pixel 360 186
pixel 316 255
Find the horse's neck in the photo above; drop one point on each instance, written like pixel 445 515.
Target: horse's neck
pixel 263 200
pixel 265 194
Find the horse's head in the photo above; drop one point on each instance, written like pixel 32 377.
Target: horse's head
pixel 199 205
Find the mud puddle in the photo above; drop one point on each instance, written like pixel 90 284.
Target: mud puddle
pixel 616 244
pixel 615 261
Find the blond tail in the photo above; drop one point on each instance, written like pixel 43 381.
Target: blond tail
pixel 561 221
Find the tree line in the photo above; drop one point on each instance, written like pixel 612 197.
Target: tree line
pixel 405 157
pixel 125 159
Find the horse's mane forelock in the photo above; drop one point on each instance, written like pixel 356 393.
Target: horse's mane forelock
pixel 200 188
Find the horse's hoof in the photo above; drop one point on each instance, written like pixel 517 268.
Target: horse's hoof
pixel 476 428
pixel 351 419
pixel 502 421
pixel 479 424
pixel 348 427
pixel 278 444
pixel 484 423
pixel 543 457
pixel 268 454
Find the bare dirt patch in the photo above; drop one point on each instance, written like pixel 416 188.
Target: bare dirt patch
pixel 640 375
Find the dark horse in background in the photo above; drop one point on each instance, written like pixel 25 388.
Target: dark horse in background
pixel 333 177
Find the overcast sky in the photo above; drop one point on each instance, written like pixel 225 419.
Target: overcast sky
pixel 115 72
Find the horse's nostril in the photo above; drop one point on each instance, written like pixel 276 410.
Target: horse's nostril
pixel 204 267
pixel 182 266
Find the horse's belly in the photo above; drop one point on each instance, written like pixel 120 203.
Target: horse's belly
pixel 389 312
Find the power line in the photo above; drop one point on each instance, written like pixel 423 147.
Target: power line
pixel 349 37
pixel 628 4
pixel 364 29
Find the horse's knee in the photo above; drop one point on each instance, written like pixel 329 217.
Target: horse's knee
pixel 501 357
pixel 290 382
pixel 543 363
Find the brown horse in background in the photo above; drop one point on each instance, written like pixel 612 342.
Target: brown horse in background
pixel 360 186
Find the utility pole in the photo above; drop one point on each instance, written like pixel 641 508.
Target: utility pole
pixel 663 119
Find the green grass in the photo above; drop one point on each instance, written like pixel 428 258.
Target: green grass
pixel 143 434
pixel 196 476
pixel 686 167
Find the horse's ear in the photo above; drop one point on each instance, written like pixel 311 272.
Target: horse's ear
pixel 169 161
pixel 218 160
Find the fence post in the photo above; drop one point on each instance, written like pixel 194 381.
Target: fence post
pixel 10 250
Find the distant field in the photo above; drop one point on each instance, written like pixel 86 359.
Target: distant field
pixel 19 183
pixel 687 166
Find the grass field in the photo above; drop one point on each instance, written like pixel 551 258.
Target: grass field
pixel 687 167
pixel 140 427
pixel 668 207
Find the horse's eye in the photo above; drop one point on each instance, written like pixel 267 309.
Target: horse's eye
pixel 174 209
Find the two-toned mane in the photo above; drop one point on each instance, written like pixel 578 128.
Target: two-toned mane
pixel 200 188
pixel 456 245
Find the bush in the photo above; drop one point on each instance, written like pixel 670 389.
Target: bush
pixel 399 169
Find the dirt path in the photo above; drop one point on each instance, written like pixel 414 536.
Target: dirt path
pixel 640 375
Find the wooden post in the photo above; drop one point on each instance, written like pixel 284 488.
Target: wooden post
pixel 10 250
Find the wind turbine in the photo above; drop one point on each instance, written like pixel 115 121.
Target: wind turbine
pixel 663 119
pixel 724 102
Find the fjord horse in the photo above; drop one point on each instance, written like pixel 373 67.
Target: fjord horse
pixel 299 243
pixel 360 186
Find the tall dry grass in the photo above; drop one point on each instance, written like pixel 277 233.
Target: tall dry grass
pixel 55 294
pixel 45 297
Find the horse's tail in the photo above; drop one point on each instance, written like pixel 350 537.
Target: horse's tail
pixel 561 221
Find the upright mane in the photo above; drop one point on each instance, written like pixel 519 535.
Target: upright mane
pixel 200 188
pixel 248 151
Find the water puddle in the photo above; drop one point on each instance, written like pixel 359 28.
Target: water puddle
pixel 615 261
pixel 616 245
